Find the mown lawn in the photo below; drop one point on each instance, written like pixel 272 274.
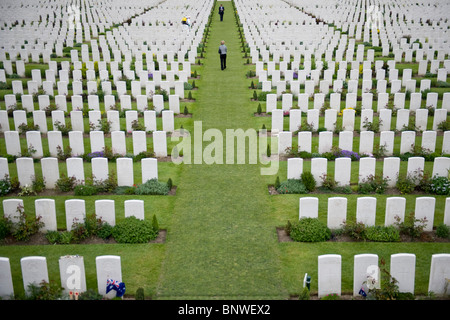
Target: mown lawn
pixel 221 241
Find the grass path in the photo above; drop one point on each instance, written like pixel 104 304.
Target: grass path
pixel 220 245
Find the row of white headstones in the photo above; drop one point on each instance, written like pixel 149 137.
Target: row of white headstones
pixel 366 273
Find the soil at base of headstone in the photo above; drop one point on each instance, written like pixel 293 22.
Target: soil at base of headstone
pixel 429 236
pixel 40 239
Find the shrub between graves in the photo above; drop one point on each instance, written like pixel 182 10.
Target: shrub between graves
pixel 308 180
pixel 382 234
pixel 92 226
pixel 21 230
pixel 5 187
pixel 373 184
pixel 292 186
pixel 133 230
pixel 152 186
pixel 308 230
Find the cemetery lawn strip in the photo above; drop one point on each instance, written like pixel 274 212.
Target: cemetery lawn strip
pixel 221 244
pixel 141 263
pixel 300 258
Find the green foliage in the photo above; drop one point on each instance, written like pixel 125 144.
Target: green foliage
pixel 262 96
pixel 356 230
pixel 85 190
pixel 304 294
pixel 90 294
pixel 185 111
pixel 292 186
pixel 187 86
pixel 139 294
pixel 5 227
pixel 53 236
pixel 442 231
pixel 405 184
pixel 155 224
pixel 107 185
pixel 61 154
pixel 388 289
pixel 65 237
pixel 411 226
pixel 331 296
pixel 440 186
pixel 137 126
pixel 308 180
pixel 142 155
pixel 269 151
pixel 259 109
pixel 309 230
pixel 328 182
pixel 152 186
pixel 5 186
pixel 169 184
pixel 26 226
pixel 133 230
pixel 382 233
pixel 373 184
pixel 277 182
pixel 104 231
pixel 65 184
pixel 63 128
pixel 45 291
pixel 91 226
pixel 125 190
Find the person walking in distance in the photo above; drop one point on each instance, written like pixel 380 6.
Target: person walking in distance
pixel 223 55
pixel 221 12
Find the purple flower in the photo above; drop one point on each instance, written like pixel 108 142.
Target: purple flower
pixel 150 75
pixel 295 75
pixel 349 154
pixel 96 154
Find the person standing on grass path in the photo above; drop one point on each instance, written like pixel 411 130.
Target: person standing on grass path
pixel 221 12
pixel 223 55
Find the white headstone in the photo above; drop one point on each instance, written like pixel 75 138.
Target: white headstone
pixel 337 212
pixel 108 267
pixel 34 271
pixel 50 172
pixel 72 274
pixel 76 143
pixel 45 208
pixel 308 207
pixel 11 209
pixel 304 141
pixel 125 175
pixel 75 212
pixel 366 208
pixel 329 274
pixel 395 207
pixel 6 284
pixel 149 168
pixel 364 266
pixel 105 210
pixel 25 171
pixel 402 268
pixel 319 169
pixel 160 143
pixel 134 208
pixel 342 171
pixel 424 209
pixel 439 272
